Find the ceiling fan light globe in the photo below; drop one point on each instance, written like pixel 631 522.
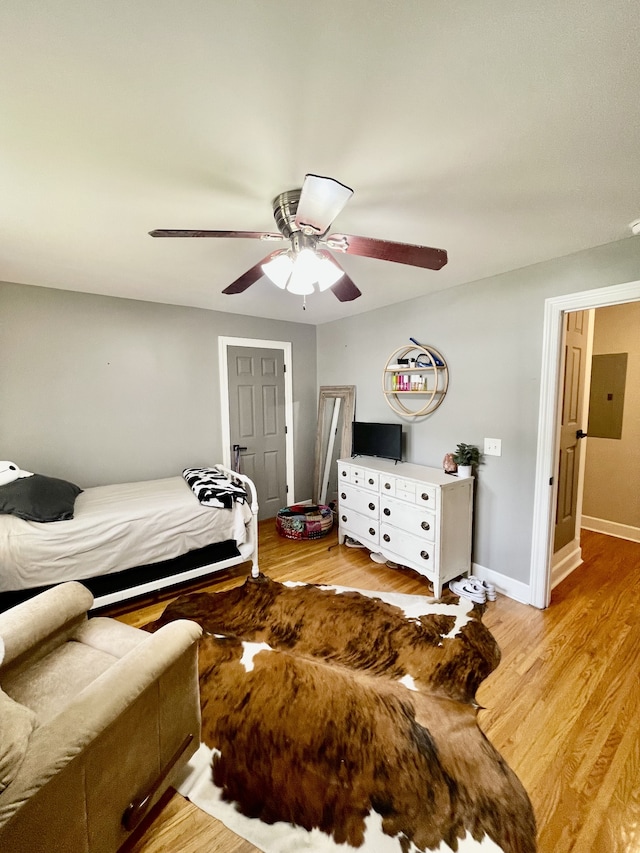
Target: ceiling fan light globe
pixel 278 270
pixel 328 273
pixel 304 274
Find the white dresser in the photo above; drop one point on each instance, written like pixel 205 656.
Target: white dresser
pixel 413 515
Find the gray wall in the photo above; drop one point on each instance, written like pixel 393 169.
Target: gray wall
pixel 103 390
pixel 490 333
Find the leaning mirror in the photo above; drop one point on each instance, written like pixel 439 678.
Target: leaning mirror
pixel 336 405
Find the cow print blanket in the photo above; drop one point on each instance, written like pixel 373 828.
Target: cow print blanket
pixel 213 488
pixel 342 714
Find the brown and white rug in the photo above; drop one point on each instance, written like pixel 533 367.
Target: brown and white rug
pixel 336 719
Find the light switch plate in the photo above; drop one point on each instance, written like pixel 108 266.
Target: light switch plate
pixel 493 447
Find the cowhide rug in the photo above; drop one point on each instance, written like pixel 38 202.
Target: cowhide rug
pixel 353 719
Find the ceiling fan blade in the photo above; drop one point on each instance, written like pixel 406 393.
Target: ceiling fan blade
pixel 344 289
pixel 250 276
pixel 321 200
pixel 388 250
pixel 252 235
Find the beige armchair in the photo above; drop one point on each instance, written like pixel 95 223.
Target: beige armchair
pixel 95 719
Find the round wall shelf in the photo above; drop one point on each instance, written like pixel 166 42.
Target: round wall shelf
pixel 418 387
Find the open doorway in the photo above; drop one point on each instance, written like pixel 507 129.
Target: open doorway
pixel 552 363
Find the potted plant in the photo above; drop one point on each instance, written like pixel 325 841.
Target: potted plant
pixel 465 457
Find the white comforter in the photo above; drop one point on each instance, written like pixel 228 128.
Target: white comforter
pixel 114 528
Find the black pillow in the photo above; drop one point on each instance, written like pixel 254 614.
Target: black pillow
pixel 39 498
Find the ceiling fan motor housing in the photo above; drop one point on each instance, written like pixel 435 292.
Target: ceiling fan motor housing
pixel 285 207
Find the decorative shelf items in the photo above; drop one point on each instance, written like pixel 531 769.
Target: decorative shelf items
pixel 415 380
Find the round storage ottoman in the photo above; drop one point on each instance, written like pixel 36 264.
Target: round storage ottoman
pixel 304 521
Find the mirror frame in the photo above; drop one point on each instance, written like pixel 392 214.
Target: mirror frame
pixel 329 394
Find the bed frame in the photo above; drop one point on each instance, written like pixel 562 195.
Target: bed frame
pixel 121 586
pixel 247 551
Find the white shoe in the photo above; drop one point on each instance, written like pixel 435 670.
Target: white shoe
pixel 467 589
pixel 487 586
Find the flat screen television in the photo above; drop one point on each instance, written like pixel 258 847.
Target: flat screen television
pixel 384 440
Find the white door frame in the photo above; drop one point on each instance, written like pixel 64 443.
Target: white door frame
pixel 223 346
pixel 554 309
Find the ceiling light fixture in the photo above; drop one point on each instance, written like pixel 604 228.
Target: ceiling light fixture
pixel 302 272
pixel 278 269
pixel 635 227
pixel 321 199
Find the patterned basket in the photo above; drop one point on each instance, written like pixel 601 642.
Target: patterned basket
pixel 303 521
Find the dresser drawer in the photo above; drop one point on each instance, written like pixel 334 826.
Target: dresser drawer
pixel 418 552
pixel 366 479
pixel 416 520
pixel 405 489
pixel 359 526
pixel 387 485
pixel 426 496
pixel 361 500
pixel 358 476
pixel 344 473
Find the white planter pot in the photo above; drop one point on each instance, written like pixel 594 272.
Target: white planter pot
pixel 464 471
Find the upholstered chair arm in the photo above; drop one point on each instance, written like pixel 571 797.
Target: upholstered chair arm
pixel 57 742
pixel 43 621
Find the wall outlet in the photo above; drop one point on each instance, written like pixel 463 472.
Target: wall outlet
pixel 493 447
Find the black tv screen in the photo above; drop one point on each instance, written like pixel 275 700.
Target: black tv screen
pixel 383 440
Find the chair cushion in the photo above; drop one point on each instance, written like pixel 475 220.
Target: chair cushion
pixel 16 724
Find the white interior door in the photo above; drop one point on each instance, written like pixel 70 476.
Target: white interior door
pixel 572 428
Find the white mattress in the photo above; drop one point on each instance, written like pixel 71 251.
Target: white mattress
pixel 114 528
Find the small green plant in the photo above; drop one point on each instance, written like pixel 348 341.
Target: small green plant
pixel 467 454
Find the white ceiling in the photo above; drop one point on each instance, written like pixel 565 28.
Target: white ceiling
pixel 505 132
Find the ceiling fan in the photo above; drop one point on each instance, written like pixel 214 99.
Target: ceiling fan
pixel 304 216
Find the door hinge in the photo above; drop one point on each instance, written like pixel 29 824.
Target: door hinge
pixel 551 481
pixel 286 488
pixel 286 429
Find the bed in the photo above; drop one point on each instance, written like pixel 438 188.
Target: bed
pixel 130 539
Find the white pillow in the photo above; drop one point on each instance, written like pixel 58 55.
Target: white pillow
pixel 9 472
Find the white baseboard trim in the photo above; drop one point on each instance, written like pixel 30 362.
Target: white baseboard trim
pixel 611 528
pixel 567 563
pixel 517 590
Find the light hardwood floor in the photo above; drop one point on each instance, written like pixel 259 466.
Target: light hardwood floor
pixel 563 707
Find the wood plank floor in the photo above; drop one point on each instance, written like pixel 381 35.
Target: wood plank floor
pixel 563 707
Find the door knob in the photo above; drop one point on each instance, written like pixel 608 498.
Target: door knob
pixel 580 434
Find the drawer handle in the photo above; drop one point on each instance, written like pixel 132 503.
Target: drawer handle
pixel 343 496
pixel 370 481
pixel 386 537
pixel 344 473
pixel 387 485
pixel 344 517
pixel 425 525
pixel 372 506
pixel 425 496
pixel 372 531
pixel 386 511
pixel 424 555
